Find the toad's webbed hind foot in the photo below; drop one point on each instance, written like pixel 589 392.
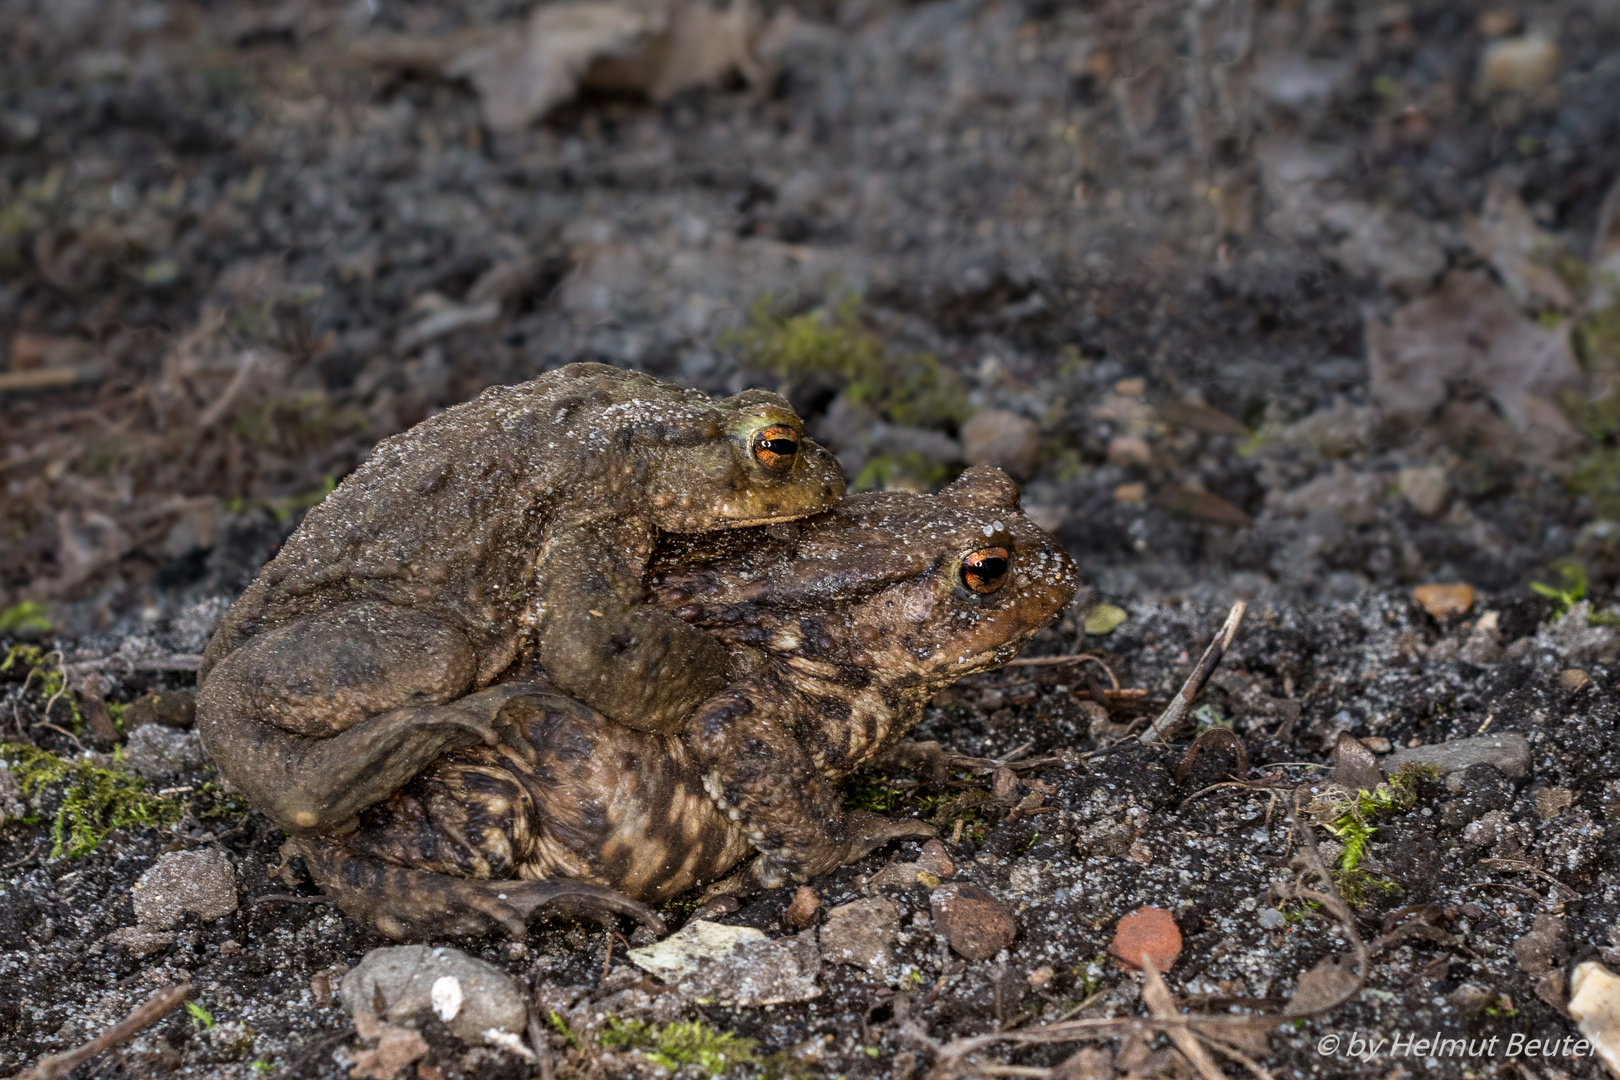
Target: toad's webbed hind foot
pixel 417 904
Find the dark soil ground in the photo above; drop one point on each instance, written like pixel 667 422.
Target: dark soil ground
pixel 1162 232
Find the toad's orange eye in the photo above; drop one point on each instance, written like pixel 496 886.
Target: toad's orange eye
pixel 985 570
pixel 776 447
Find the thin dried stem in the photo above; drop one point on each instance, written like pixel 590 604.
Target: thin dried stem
pixel 1200 675
pixel 150 1012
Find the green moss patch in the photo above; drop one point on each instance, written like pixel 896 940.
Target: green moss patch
pixel 96 799
pixel 907 388
pixel 675 1046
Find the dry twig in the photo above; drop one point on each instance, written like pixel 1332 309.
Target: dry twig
pixel 150 1012
pixel 1200 675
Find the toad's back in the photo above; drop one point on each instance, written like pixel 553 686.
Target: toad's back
pixel 448 515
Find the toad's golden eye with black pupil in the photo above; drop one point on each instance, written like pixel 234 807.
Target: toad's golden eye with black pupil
pixel 985 570
pixel 776 447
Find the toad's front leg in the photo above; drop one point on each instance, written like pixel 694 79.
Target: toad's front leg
pixel 759 775
pixel 600 642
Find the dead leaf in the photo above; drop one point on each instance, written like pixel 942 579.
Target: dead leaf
pixel 1104 619
pixel 1430 914
pixel 1354 766
pixel 1209 741
pixel 396 1048
pixel 1163 1005
pixel 656 48
pixel 1469 335
pixel 1506 236
pixel 1536 950
pixel 1202 418
pixel 1330 983
pixel 1200 505
pixel 30 351
pixel 702 45
pixel 1397 247
pixel 1606 253
pixel 1550 802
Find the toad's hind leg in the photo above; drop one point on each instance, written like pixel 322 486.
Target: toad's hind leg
pixel 320 718
pixel 418 904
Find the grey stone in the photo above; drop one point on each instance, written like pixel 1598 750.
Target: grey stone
pixel 1484 643
pixel 1350 497
pixel 1340 428
pixel 11 802
pixel 1396 247
pixel 404 977
pixel 170 708
pixel 975 923
pixel 1509 753
pixel 193 626
pixel 861 934
pixel 683 953
pixel 756 973
pixel 1577 642
pixel 1293 81
pixel 201 881
pixel 857 435
pixel 1002 438
pixel 159 753
pixel 1427 489
pixel 139 941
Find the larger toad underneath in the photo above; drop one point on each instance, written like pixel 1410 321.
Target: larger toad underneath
pixel 842 627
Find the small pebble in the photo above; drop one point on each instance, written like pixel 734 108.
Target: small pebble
pixel 802 911
pixel 1127 450
pixel 684 951
pixel 1520 63
pixel 1149 934
pixel 936 860
pixel 1444 601
pixel 1594 1003
pixel 159 753
pixel 975 923
pixel 201 881
pixel 1272 919
pixel 1509 753
pixel 1131 493
pixel 861 934
pixel 406 979
pixel 1000 437
pixel 1426 490
pixel 1573 679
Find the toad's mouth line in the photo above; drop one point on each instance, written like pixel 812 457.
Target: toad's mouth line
pixel 778 519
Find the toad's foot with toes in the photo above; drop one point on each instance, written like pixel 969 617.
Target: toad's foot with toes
pixel 417 904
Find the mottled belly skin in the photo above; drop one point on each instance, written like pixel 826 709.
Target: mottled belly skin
pixel 566 794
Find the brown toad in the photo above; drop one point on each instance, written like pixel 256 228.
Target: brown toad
pixel 510 530
pixel 844 625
